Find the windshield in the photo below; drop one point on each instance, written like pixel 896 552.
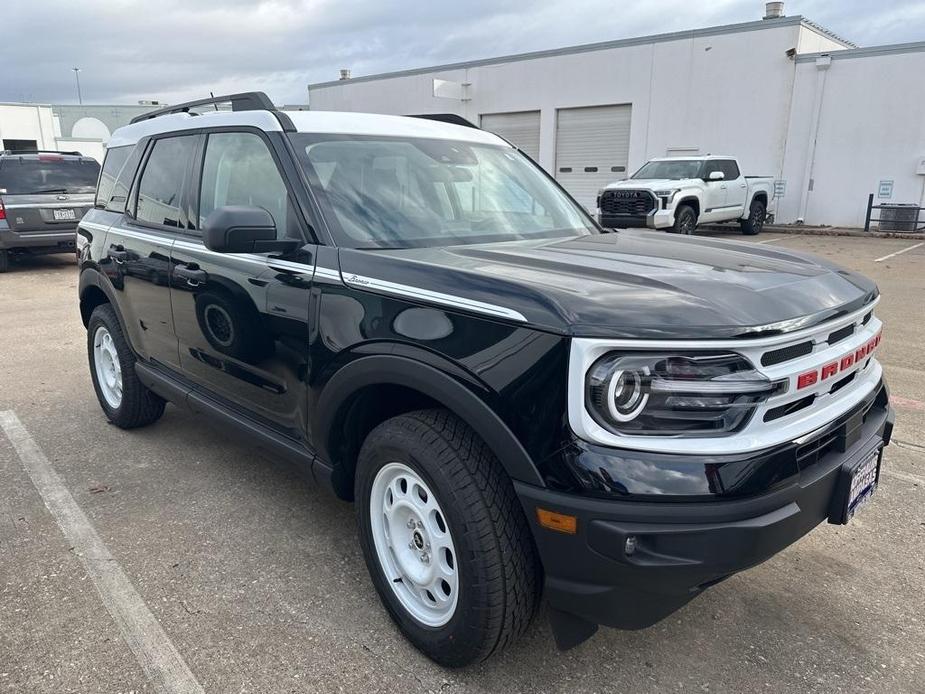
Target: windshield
pixel 390 192
pixel 52 174
pixel 674 169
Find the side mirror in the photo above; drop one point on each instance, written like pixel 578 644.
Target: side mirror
pixel 716 176
pixel 239 229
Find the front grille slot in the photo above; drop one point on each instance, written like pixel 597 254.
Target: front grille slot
pixel 867 316
pixel 841 334
pixel 637 203
pixel 778 356
pixel 788 408
pixel 842 383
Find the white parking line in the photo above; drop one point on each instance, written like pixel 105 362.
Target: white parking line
pixel 904 250
pixel 162 664
pixel 771 240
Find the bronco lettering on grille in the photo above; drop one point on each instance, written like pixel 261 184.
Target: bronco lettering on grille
pixel 804 380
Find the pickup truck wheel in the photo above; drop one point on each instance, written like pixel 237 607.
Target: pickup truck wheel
pixel 685 220
pixel 756 214
pixel 444 537
pixel 125 400
pixel 4 261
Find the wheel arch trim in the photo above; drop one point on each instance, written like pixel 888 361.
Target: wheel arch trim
pixel 401 371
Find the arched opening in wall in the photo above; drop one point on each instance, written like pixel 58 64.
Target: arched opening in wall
pixel 90 129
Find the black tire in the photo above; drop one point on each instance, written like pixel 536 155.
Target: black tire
pixel 500 576
pixel 685 220
pixel 755 222
pixel 139 406
pixel 4 260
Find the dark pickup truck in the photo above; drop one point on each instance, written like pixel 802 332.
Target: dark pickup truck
pixel 519 403
pixel 42 197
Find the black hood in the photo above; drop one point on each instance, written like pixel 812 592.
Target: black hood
pixel 632 284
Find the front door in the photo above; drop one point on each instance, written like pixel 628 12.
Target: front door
pixel 714 193
pixel 242 319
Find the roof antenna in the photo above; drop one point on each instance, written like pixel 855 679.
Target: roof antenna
pixel 212 94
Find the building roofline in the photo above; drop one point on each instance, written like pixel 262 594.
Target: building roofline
pixel 809 24
pixel 796 20
pixel 866 51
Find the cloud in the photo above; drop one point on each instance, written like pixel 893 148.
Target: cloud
pixel 181 49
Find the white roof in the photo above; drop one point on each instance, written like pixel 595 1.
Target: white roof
pixel 345 123
pixel 693 157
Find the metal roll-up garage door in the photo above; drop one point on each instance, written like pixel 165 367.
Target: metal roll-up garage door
pixel 592 149
pixel 522 129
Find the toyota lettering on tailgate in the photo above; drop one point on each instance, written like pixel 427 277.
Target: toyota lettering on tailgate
pixel 809 378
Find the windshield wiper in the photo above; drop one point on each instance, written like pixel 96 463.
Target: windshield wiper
pixel 49 190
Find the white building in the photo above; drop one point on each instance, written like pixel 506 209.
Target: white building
pixel 792 100
pixel 63 128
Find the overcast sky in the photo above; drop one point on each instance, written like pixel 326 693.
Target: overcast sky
pixel 175 50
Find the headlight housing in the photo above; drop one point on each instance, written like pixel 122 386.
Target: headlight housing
pixel 662 394
pixel 669 193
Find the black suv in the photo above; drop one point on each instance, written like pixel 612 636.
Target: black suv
pixel 42 197
pixel 518 402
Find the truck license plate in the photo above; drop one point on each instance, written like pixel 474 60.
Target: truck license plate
pixel 856 485
pixel 64 214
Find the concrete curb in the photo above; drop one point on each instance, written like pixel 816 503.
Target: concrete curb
pixel 820 231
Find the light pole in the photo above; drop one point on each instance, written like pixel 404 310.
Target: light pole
pixel 77 77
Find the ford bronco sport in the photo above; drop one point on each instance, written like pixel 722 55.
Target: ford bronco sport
pixel 517 401
pixel 42 197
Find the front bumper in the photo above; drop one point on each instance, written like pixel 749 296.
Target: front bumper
pixel 57 241
pixel 681 548
pixel 657 219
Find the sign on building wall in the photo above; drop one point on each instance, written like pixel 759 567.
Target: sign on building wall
pixel 780 188
pixel 885 189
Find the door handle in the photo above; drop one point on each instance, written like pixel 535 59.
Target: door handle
pixel 723 187
pixel 741 185
pixel 194 276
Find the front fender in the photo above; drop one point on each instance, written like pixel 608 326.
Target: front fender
pixel 389 369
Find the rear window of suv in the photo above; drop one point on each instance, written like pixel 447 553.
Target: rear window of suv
pixel 47 174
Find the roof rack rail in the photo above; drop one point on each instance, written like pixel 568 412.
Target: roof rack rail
pixel 451 118
pixel 40 151
pixel 245 101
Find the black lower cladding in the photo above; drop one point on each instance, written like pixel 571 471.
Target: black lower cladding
pixel 632 562
pixel 624 221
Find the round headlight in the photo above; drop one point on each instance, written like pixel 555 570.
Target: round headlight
pixel 625 395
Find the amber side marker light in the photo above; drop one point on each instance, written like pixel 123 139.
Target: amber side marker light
pixel 559 522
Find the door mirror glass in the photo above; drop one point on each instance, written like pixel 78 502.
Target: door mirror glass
pixel 239 229
pixel 716 176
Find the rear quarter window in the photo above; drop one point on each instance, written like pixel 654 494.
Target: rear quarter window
pixel 112 167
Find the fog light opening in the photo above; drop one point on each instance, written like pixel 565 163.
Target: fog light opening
pixel 630 547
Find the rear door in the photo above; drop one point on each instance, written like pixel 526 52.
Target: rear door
pixel 736 186
pixel 137 253
pixel 241 318
pixel 592 149
pixel 46 193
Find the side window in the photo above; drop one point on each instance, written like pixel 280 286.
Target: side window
pixel 163 179
pixel 123 183
pixel 238 169
pixel 731 169
pixel 711 166
pixel 112 165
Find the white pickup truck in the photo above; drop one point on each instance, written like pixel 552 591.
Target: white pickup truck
pixel 678 193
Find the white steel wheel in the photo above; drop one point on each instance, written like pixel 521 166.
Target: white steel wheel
pixel 414 545
pixel 108 368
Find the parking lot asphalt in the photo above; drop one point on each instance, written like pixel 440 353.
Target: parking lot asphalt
pixel 256 578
